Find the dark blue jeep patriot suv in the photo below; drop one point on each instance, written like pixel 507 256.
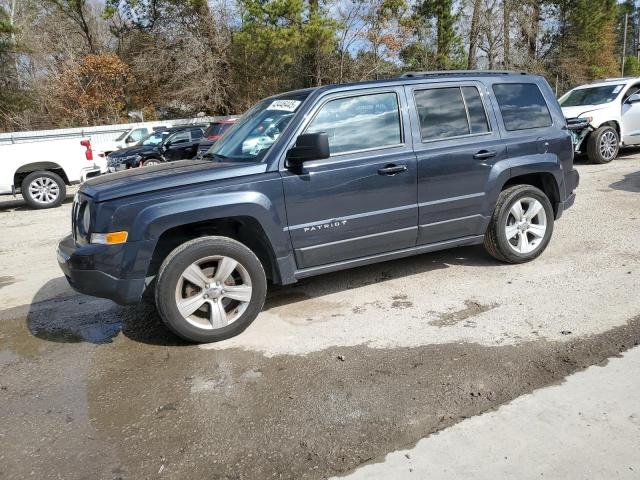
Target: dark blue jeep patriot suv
pixel 323 179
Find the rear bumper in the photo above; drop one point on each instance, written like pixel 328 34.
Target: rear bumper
pixel 76 263
pixel 572 180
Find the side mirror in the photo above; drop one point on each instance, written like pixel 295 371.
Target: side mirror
pixel 309 146
pixel 635 98
pixel 129 140
pixel 167 145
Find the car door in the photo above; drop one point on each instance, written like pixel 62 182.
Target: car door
pixel 177 145
pixel 362 200
pixel 630 117
pixel 457 142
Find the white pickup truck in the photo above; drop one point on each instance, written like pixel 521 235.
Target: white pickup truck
pixel 41 170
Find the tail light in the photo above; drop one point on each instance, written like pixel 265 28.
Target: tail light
pixel 88 153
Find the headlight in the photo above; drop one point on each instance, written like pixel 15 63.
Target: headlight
pixel 86 218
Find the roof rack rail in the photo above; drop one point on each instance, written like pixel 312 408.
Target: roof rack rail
pixel 436 73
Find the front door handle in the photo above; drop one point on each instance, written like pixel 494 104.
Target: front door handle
pixel 392 169
pixel 484 154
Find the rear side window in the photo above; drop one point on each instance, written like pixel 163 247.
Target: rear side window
pixel 522 106
pixel 196 133
pixel 359 123
pixel 450 112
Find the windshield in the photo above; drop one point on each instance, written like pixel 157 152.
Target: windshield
pixel 154 138
pixel 590 96
pixel 253 134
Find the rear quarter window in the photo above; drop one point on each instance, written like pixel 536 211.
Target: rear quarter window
pixel 522 106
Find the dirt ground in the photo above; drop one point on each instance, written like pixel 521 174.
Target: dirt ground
pixel 338 369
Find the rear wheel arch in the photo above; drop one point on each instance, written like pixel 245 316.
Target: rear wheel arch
pixel 24 170
pixel 544 181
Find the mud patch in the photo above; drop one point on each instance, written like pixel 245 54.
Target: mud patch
pixel 471 309
pixel 400 302
pixel 145 404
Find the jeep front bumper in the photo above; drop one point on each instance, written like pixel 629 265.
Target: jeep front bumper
pixel 94 270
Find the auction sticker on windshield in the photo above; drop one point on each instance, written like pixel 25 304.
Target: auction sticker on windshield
pixel 286 105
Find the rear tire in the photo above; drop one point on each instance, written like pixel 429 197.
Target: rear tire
pixel 150 162
pixel 43 189
pixel 210 289
pixel 603 145
pixel 521 225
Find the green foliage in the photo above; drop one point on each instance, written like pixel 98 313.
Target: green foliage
pixel 631 67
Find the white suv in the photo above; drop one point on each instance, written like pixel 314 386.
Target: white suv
pixel 604 116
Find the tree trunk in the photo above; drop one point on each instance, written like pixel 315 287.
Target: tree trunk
pixel 534 29
pixel 506 25
pixel 473 35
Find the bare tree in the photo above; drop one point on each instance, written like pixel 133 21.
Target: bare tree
pixel 473 34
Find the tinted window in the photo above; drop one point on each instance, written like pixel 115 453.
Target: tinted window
pixel 477 116
pixel 196 133
pixel 179 137
pixel 442 113
pixel 522 106
pixel 359 123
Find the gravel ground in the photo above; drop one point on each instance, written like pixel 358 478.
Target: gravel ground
pixel 338 370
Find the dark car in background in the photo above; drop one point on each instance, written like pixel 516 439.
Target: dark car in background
pixel 175 143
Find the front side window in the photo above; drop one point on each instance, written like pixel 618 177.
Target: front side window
pixel 450 112
pixel 357 123
pixel 522 106
pixel 196 133
pixel 179 137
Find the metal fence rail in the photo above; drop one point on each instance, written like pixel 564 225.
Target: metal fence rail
pixel 97 134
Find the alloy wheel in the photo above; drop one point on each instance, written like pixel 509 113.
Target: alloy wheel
pixel 213 292
pixel 608 145
pixel 526 225
pixel 44 190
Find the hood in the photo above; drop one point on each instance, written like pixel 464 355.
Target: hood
pixel 581 110
pixel 135 150
pixel 164 176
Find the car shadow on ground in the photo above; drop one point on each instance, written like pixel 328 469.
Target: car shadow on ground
pixel 630 183
pixel 74 318
pixel 17 203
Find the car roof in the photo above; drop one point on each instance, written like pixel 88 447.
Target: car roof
pixel 609 81
pixel 415 77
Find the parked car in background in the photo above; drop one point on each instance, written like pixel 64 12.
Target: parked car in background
pixel 216 129
pixel 603 116
pixel 212 134
pixel 323 179
pixel 175 143
pixel 127 139
pixel 41 170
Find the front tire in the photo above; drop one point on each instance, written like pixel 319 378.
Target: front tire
pixel 43 189
pixel 150 162
pixel 210 289
pixel 603 145
pixel 521 225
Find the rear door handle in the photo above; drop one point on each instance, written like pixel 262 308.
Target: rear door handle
pixel 484 154
pixel 392 169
